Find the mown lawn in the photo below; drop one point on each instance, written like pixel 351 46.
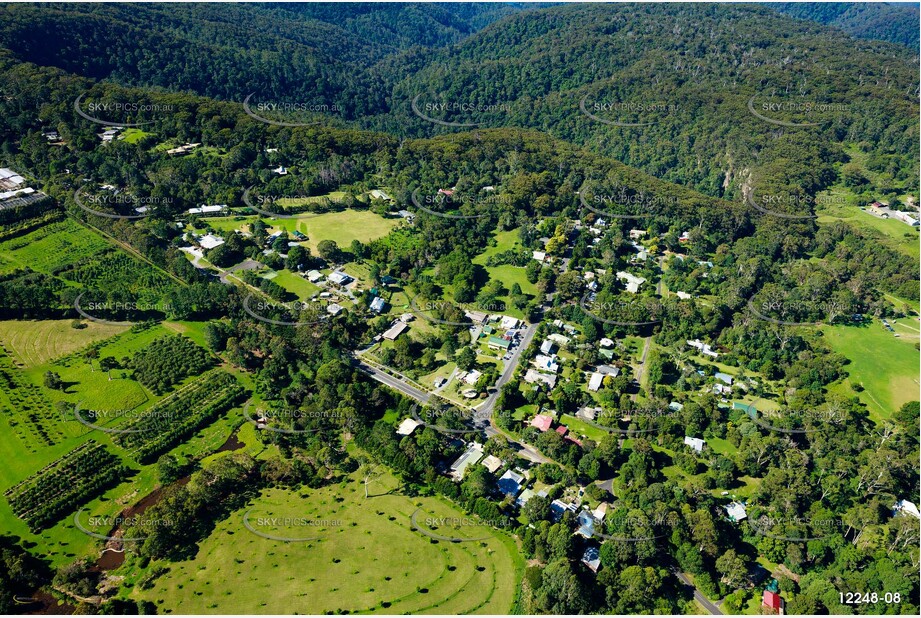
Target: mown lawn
pixel 34 342
pixel 886 365
pixel 367 559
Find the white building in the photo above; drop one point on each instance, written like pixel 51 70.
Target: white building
pixel 210 241
pixel 633 282
pixel 695 443
pixel 546 363
pixel 594 383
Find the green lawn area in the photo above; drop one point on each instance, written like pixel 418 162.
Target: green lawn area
pixel 582 428
pixel 342 227
pixel 890 232
pixel 367 559
pixel 295 284
pixel 722 446
pixel 886 366
pixel 508 275
pixel 34 342
pixel 133 135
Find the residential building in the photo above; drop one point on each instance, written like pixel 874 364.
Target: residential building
pixel 695 443
pixel 723 377
pixel 773 602
pixel 595 381
pixel 472 455
pixel 542 422
pixel 633 282
pixel 334 309
pixel 378 304
pixel 395 330
pixel 547 346
pixel 546 363
pixel 510 483
pixel 492 463
pixel 340 278
pixel 498 343
pixel 586 524
pixel 736 511
pixel 906 508
pixel 210 241
pixel 592 558
pixel 532 376
pixel 407 426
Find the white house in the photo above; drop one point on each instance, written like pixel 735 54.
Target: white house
pixel 736 511
pixel 633 282
pixel 546 363
pixel 210 241
pixel 540 256
pixel 407 426
pixel 695 443
pixel 904 506
pixel 594 383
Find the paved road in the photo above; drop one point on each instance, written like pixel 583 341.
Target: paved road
pixel 485 409
pixel 394 383
pixel 698 595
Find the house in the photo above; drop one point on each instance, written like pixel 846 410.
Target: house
pixel 510 483
pixel 299 235
pixel 314 276
pixel 586 524
pixel 476 316
pixel 182 150
pixel 736 511
pixel 472 377
pixel 473 454
pixel 377 194
pixel 527 494
pixel 685 237
pixel 340 278
pixel 508 322
pixel 601 511
pixel 637 234
pixel 723 377
pixel 377 305
pixel 540 256
pixel 683 295
pixel 406 215
pixel 492 463
pixel 210 241
pixel 407 426
pixel 773 602
pixel 395 330
pixel 592 558
pixel 498 343
pixel 388 280
pixel 558 508
pixel 205 210
pixel 333 309
pixel 675 406
pixel 109 134
pixel 904 506
pixel 632 281
pixel 607 353
pixel 547 346
pixel 407 317
pixel 606 343
pixel 560 340
pixel 704 348
pixel 587 414
pixel 532 376
pixel 595 382
pixel 281 170
pixel 695 443
pixel 542 422
pixel 722 389
pixel 546 363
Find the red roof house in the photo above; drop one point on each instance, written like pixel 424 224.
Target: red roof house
pixel 542 422
pixel 562 429
pixel 772 601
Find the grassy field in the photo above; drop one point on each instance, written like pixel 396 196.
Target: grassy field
pixel 367 559
pixel 582 428
pixel 295 284
pixel 50 247
pixel 508 275
pixel 886 366
pixel 34 342
pixel 342 227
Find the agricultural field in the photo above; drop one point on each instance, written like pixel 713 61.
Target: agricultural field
pixel 297 285
pixel 366 559
pixel 51 247
pixel 36 342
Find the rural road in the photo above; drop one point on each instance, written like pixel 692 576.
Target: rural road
pixel 485 409
pixel 698 595
pixel 395 383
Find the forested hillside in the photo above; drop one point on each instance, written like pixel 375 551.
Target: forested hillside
pixel 896 22
pixel 687 93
